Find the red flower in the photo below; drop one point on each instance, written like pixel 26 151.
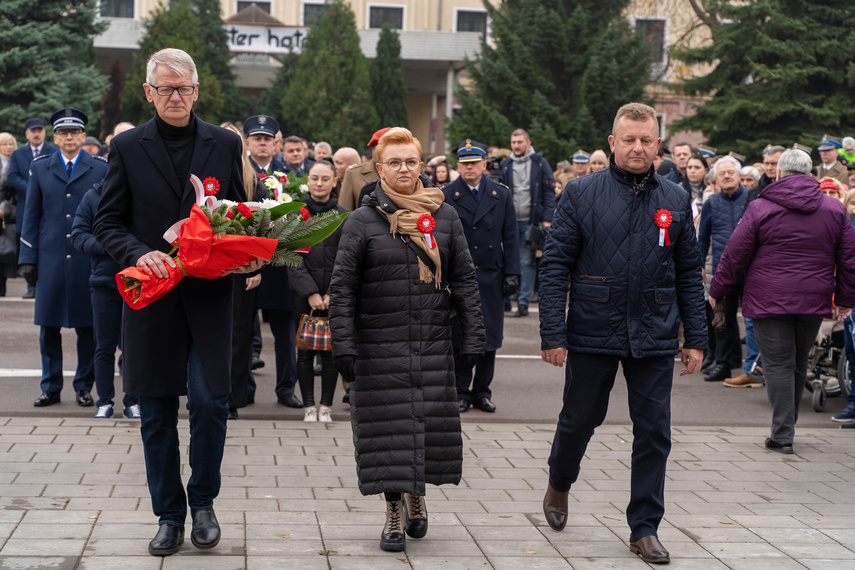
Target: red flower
pixel 305 213
pixel 230 214
pixel 426 223
pixel 262 175
pixel 211 186
pixel 244 211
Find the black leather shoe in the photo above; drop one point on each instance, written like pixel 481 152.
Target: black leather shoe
pixel 508 307
pixel 167 540
pixel 718 374
pixel 291 400
pixel 522 311
pixel 485 405
pixel 206 529
pixel 31 294
pixel 462 406
pixel 250 398
pixel 47 399
pixel 233 414
pixel 84 399
pixel 346 398
pixel 650 550
pixel 555 508
pixel 785 448
pixel 257 363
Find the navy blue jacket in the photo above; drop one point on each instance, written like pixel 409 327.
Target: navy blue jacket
pixel 62 291
pixel 542 187
pixel 490 227
pixel 628 293
pixel 275 164
pixel 719 217
pixel 19 172
pixel 104 269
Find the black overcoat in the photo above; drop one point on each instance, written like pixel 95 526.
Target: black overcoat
pixel 403 404
pixel 141 199
pixel 490 227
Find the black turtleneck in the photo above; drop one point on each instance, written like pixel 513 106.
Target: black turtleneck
pixel 179 143
pixel 316 208
pixel 636 181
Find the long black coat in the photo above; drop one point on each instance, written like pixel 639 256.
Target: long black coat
pixel 141 199
pixel 403 404
pixel 490 227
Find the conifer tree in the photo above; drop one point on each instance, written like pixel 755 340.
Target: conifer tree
pixel 559 69
pixel 271 99
pixel 172 26
pixel 111 102
pixel 236 106
pixel 330 98
pixel 47 60
pixel 387 80
pixel 782 72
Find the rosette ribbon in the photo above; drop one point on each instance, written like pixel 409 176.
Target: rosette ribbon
pixel 426 225
pixel 201 254
pixel 662 217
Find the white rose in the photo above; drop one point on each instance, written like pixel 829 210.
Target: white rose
pixel 304 188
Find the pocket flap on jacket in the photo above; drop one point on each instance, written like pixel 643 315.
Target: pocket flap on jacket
pixel 665 295
pixel 675 217
pixel 591 291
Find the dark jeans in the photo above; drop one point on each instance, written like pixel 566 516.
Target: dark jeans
pixel 785 344
pixel 728 344
pixel 849 343
pixel 484 369
pixel 107 318
pixel 588 381
pixel 284 329
pixel 50 343
pixel 306 374
pixel 159 430
pixel 243 310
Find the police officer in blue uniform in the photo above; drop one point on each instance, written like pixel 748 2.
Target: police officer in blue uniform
pixel 486 210
pixel 49 260
pixel 261 143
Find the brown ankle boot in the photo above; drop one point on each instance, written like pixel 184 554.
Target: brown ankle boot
pixel 393 539
pixel 555 508
pixel 415 516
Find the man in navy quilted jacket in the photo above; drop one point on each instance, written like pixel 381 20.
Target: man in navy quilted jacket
pixel 624 237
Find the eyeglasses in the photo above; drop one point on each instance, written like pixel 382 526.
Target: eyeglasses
pixel 395 164
pixel 68 133
pixel 324 179
pixel 166 90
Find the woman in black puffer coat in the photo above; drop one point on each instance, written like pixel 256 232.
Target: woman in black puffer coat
pixel 309 288
pixel 391 336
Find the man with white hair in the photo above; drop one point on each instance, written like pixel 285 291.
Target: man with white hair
pixel 719 217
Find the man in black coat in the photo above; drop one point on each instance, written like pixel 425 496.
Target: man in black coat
pixel 486 210
pixel 625 239
pixel 180 344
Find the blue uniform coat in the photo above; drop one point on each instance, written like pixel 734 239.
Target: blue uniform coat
pixel 62 298
pixel 19 172
pixel 490 227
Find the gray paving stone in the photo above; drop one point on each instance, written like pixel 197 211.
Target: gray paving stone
pixel 53 531
pixel 43 547
pixel 382 561
pixel 38 562
pixel 114 562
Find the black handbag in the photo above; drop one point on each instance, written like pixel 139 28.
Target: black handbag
pixel 535 237
pixel 8 247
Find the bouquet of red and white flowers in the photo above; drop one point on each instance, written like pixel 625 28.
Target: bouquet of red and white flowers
pixel 283 187
pixel 220 236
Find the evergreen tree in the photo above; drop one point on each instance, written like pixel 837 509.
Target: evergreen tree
pixel 47 60
pixel 782 72
pixel 236 106
pixel 173 26
pixel 387 80
pixel 111 102
pixel 330 98
pixel 271 99
pixel 559 69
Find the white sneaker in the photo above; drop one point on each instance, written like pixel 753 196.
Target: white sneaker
pixel 325 414
pixel 133 412
pixel 105 411
pixel 310 414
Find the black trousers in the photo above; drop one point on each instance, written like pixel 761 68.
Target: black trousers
pixel 484 369
pixel 284 329
pixel 243 310
pixel 306 375
pixel 588 380
pixel 728 345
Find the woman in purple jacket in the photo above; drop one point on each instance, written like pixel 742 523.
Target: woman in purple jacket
pixel 788 244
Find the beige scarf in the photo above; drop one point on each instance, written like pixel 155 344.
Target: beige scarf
pixel 404 220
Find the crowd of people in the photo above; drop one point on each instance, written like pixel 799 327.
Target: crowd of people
pixel 416 285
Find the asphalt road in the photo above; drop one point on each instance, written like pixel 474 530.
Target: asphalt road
pixel 525 389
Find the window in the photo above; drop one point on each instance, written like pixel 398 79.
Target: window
pixel 472 21
pixel 313 12
pixel 377 16
pixel 653 32
pixel 264 6
pixel 117 8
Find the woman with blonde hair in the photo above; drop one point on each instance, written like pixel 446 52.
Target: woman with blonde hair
pixel 390 319
pixel 7 205
pixel 598 161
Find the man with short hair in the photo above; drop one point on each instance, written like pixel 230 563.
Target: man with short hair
pixel 322 150
pixel 261 143
pixel 581 160
pixel 180 344
pixel 719 217
pixel 623 238
pixel 92 146
pixel 292 154
pixel 829 166
pixel 680 154
pixel 19 171
pixel 344 158
pixel 529 177
pixel 486 210
pixel 770 165
pixel 50 262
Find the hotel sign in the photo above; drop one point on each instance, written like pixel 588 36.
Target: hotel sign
pixel 247 38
